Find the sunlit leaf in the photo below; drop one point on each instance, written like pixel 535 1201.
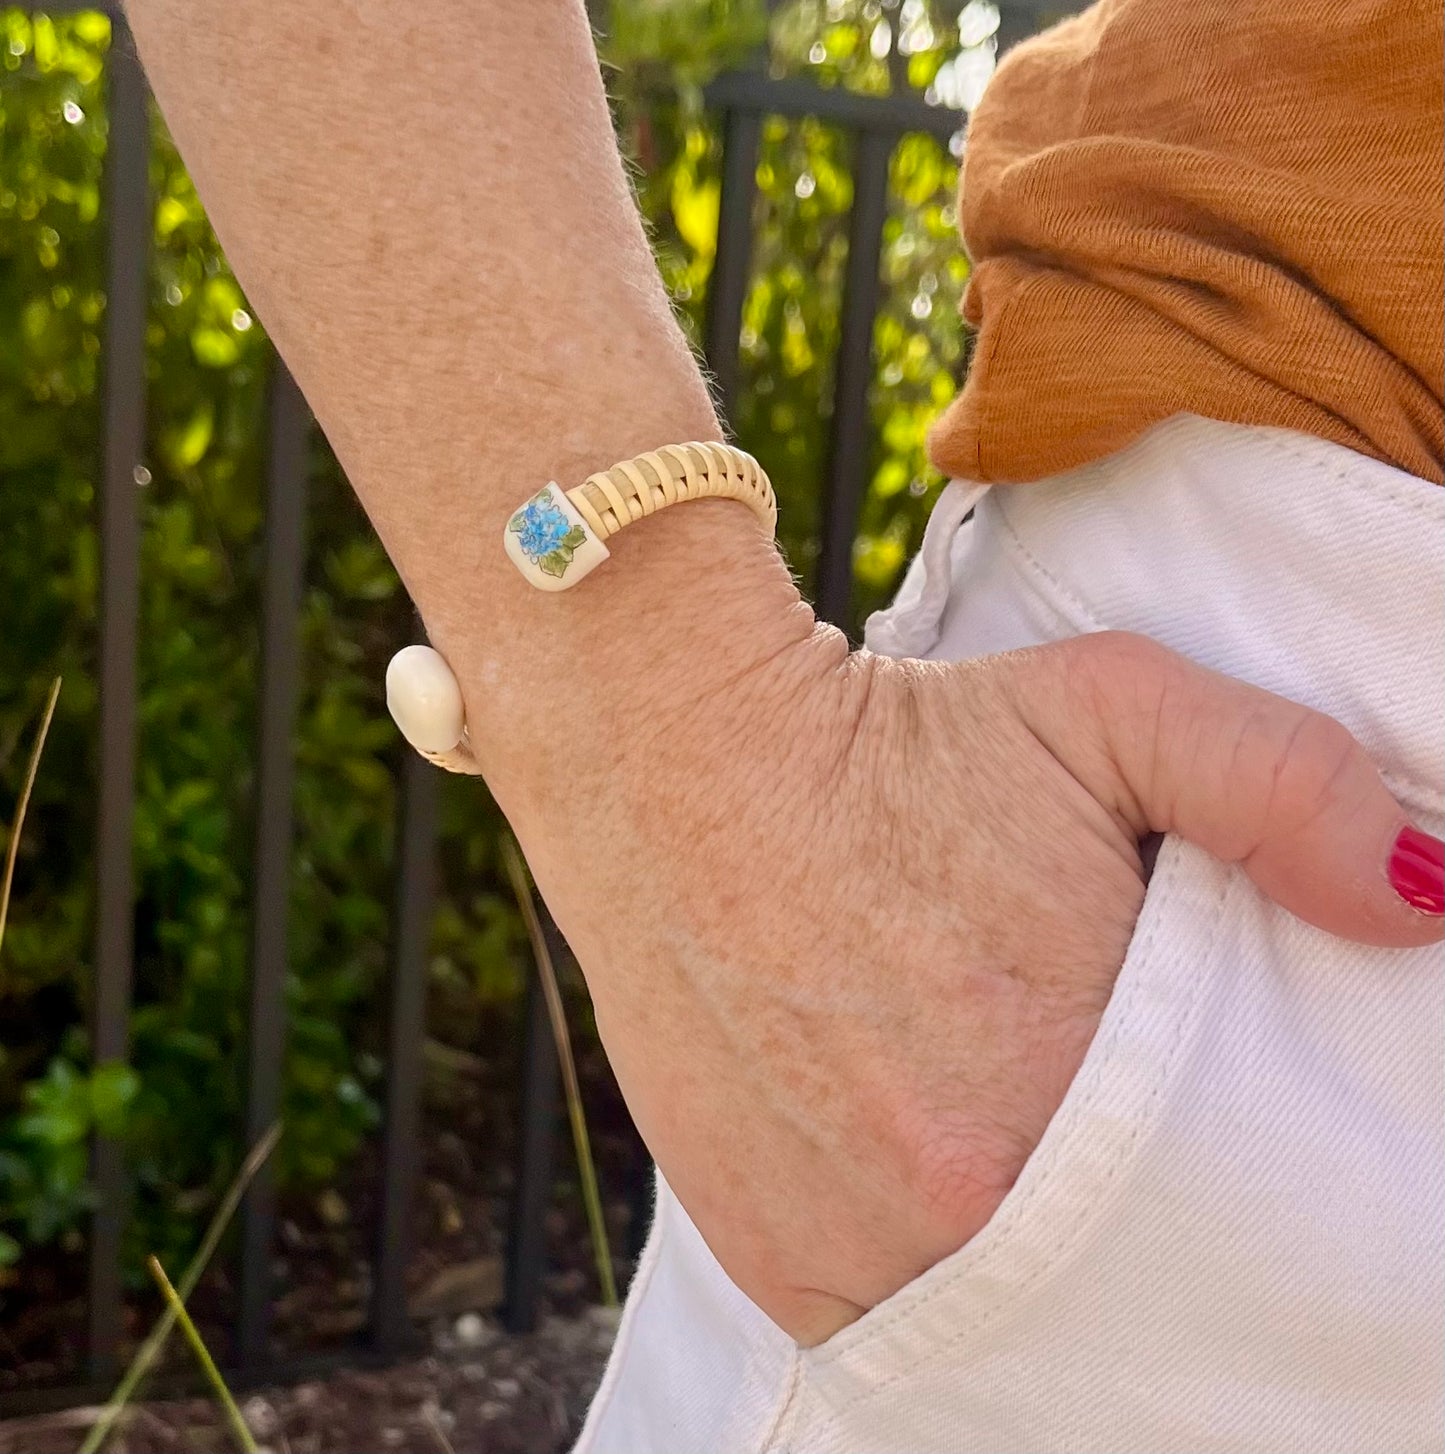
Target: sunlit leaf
pixel 187 446
pixel 695 209
pixel 214 348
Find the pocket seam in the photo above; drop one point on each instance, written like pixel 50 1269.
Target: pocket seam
pixel 1429 506
pixel 1065 601
pixel 1056 596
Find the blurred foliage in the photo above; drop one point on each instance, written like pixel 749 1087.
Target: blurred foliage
pixel 180 1105
pixel 792 317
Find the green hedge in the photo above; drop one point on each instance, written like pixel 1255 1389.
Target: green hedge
pixel 180 1105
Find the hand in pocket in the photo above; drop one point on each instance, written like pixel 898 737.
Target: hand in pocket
pixel 848 974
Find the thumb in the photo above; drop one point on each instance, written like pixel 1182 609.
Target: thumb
pixel 1285 792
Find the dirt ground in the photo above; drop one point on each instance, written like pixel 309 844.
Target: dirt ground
pixel 480 1392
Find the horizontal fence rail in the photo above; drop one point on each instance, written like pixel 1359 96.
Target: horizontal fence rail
pixel 740 102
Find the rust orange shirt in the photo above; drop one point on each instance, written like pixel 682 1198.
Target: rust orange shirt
pixel 1230 208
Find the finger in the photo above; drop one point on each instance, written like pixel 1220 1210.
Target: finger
pixel 1285 792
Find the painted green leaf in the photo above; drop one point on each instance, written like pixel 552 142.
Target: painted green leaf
pixel 555 564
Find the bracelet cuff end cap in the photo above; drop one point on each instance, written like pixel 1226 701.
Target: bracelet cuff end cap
pixel 424 700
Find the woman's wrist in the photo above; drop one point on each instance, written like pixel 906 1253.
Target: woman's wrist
pixel 692 625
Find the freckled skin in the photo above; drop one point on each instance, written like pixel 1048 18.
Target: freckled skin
pixel 848 924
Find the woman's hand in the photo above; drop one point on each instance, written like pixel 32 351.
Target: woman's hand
pixel 850 924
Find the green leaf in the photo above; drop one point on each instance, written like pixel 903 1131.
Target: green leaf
pixel 892 477
pixel 187 446
pixel 574 538
pixel 92 27
pixel 113 1088
pixel 214 348
pixel 555 564
pixel 57 1107
pixel 695 209
pixel 171 213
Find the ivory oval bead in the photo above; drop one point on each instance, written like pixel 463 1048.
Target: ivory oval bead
pixel 424 699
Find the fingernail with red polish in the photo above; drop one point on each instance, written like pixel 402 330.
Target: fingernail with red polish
pixel 1417 871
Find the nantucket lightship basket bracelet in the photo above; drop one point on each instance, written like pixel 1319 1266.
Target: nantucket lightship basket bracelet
pixel 555 539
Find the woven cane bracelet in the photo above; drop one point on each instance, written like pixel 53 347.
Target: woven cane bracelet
pixel 557 537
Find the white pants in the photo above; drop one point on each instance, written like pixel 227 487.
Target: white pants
pixel 1230 1236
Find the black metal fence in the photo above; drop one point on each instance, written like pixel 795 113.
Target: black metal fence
pixel 741 101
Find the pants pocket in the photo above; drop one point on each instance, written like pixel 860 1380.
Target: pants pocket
pixel 899 1378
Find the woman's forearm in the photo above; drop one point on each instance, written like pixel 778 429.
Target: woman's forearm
pixel 426 206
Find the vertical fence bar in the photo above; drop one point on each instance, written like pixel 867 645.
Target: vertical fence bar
pixel 848 459
pixel 1018 21
pixel 415 895
pixel 288 450
pixel 728 287
pixel 527 1236
pixel 128 243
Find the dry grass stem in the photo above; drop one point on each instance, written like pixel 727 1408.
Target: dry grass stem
pixel 228 1404
pixel 12 851
pixel 150 1350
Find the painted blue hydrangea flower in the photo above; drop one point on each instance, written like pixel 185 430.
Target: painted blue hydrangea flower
pixel 547 537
